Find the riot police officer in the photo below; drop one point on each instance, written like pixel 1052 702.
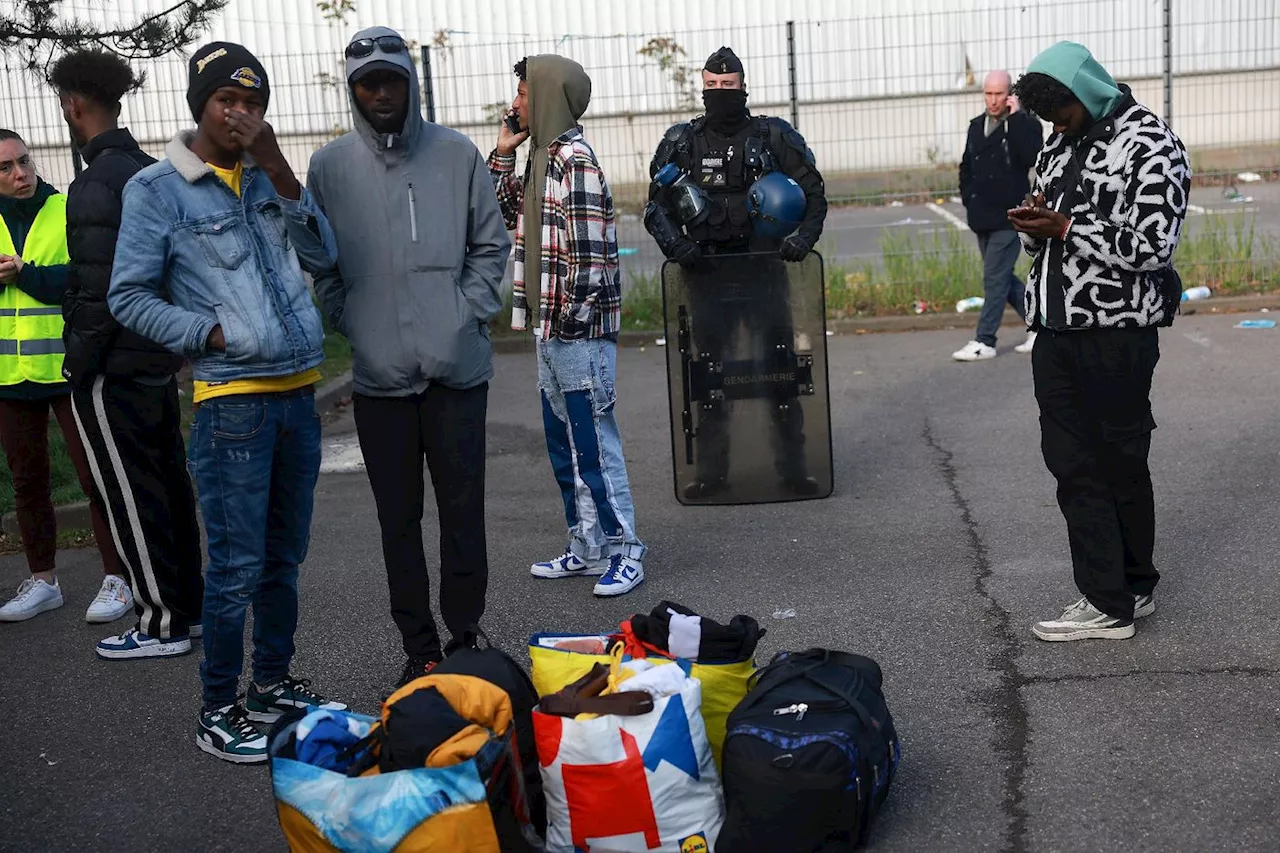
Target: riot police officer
pixel 723 153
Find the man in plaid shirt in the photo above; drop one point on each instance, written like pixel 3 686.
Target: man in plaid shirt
pixel 564 202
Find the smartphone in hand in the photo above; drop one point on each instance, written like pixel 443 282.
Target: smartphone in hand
pixel 513 123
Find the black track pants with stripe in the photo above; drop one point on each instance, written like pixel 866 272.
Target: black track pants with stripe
pixel 132 434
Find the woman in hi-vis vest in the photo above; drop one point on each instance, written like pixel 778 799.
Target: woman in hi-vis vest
pixel 33 278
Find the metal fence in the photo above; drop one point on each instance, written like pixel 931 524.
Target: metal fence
pixel 884 102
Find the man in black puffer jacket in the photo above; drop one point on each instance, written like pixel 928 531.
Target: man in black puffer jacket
pixel 124 391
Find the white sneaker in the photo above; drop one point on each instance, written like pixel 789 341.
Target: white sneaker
pixel 1028 344
pixel 113 601
pixel 624 575
pixel 974 351
pixel 1083 621
pixel 133 644
pixel 570 565
pixel 34 597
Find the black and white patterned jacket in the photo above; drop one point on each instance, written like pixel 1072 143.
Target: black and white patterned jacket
pixel 1125 224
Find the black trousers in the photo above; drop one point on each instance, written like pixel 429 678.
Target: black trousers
pixel 446 428
pixel 1094 391
pixel 750 296
pixel 132 434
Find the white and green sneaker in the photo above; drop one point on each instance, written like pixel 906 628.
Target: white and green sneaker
pixel 228 734
pixel 266 704
pixel 1083 621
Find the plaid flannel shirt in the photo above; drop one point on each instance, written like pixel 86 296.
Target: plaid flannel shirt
pixel 580 286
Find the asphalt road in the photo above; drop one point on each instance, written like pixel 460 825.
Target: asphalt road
pixel 941 546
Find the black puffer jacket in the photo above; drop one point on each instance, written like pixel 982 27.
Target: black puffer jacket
pixel 96 344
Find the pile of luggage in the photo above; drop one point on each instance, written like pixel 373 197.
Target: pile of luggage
pixel 661 736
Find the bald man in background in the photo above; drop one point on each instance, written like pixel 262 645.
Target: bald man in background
pixel 998 157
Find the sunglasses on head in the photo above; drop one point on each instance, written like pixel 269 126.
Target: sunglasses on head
pixel 361 48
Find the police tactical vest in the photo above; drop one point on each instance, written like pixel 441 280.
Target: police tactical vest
pixel 724 169
pixel 30 331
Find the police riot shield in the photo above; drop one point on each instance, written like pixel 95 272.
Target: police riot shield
pixel 747 377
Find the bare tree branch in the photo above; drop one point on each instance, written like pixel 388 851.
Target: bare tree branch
pixel 36 32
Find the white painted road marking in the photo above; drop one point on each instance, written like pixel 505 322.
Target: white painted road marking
pixel 341 455
pixel 949 216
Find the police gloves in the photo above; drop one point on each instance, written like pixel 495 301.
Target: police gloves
pixel 795 248
pixel 685 252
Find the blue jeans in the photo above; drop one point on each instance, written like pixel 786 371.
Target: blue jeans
pixel 255 459
pixel 1000 251
pixel 576 379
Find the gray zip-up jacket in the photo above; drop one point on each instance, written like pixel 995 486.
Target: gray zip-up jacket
pixel 422 248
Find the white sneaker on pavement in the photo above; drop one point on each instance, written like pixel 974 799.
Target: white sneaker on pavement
pixel 113 601
pixel 974 351
pixel 624 575
pixel 1083 621
pixel 570 565
pixel 1028 344
pixel 34 597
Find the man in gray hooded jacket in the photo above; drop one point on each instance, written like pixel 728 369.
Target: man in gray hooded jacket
pixel 422 251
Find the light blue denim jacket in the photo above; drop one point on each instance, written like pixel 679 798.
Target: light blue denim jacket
pixel 191 256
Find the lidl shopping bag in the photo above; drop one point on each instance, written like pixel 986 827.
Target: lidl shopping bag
pixel 630 784
pixel 723 684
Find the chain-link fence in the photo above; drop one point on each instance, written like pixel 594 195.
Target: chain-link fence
pixel 884 102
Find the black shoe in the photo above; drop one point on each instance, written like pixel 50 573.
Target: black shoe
pixel 702 489
pixel 806 486
pixel 414 668
pixel 467 641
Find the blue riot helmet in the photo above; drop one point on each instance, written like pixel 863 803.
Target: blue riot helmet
pixel 777 206
pixel 683 199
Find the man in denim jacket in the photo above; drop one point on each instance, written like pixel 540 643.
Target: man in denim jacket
pixel 209 263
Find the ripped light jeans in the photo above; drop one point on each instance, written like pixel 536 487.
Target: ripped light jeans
pixel 576 380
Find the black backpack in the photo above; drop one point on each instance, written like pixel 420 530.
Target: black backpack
pixel 496 667
pixel 809 756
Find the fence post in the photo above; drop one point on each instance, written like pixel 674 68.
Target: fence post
pixel 76 163
pixel 429 87
pixel 791 72
pixel 1168 61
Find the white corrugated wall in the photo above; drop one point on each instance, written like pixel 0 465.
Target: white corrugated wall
pixel 908 53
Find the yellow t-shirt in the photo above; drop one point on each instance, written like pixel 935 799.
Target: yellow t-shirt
pixel 230 177
pixel 258 385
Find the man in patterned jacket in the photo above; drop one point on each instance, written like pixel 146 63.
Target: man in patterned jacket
pixel 566 269
pixel 1102 224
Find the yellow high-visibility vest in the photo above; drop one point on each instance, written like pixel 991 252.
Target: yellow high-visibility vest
pixel 30 331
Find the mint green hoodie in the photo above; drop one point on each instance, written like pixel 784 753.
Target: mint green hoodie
pixel 1073 66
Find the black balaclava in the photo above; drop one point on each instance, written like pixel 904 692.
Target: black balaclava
pixel 726 108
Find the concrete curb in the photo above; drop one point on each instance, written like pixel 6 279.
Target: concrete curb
pixel 919 322
pixel 332 391
pixel 75 516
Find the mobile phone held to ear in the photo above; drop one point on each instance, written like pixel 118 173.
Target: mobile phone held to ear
pixel 512 122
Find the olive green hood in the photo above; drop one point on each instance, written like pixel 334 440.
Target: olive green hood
pixel 557 91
